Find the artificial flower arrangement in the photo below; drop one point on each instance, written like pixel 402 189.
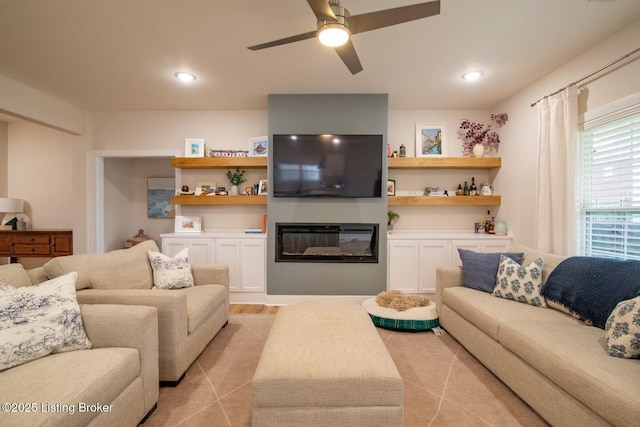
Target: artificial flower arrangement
pixel 475 133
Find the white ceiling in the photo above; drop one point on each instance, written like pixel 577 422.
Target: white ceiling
pixel 122 54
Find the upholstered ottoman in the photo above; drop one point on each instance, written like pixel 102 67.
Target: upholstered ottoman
pixel 325 365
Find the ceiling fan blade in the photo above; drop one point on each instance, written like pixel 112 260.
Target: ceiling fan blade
pixel 348 54
pixel 386 18
pixel 292 39
pixel 322 10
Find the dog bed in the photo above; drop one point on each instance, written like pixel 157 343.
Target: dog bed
pixel 412 320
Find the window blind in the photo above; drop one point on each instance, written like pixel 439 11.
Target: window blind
pixel 610 187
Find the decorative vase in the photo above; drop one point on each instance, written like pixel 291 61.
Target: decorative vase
pixel 234 190
pixel 478 150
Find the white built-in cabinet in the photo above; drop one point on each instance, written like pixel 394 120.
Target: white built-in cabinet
pixel 245 254
pixel 414 256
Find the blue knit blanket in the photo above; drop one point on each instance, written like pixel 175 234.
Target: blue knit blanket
pixel 592 287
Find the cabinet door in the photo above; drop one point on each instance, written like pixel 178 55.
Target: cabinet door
pixel 252 265
pixel 496 245
pixel 228 253
pixel 202 251
pixel 62 245
pixel 403 266
pixel 472 245
pixel 433 254
pixel 171 246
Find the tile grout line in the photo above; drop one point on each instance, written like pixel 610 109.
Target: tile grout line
pixel 446 383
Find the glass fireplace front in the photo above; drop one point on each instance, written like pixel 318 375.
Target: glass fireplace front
pixel 316 242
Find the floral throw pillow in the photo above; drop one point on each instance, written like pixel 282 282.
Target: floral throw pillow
pixel 519 283
pixel 171 273
pixel 38 320
pixel 622 330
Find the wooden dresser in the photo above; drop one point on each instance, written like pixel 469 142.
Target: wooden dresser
pixel 35 243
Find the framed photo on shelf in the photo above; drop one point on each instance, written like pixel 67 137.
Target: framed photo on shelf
pixel 193 147
pixel 391 187
pixel 259 147
pixel 263 187
pixel 159 192
pixel 430 140
pixel 209 186
pixel 188 224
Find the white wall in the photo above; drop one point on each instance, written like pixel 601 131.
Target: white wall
pixel 4 158
pixel 517 177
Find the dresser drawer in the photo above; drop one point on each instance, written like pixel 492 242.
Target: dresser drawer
pixel 34 239
pixel 43 250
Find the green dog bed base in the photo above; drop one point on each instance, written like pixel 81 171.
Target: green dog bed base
pixel 415 319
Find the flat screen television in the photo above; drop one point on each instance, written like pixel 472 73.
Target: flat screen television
pixel 327 165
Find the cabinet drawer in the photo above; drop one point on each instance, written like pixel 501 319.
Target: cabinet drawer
pixel 31 250
pixel 35 239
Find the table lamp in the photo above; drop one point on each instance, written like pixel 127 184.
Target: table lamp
pixel 11 208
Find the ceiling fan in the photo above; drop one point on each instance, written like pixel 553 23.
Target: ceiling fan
pixel 336 25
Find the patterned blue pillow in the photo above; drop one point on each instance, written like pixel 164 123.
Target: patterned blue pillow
pixel 38 320
pixel 623 330
pixel 479 269
pixel 519 283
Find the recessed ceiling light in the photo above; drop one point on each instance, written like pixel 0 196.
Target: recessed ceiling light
pixel 472 75
pixel 185 77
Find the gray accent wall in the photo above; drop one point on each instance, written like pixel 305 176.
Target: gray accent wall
pixel 327 114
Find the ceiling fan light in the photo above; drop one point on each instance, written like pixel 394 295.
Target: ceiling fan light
pixel 333 34
pixel 183 76
pixel 472 75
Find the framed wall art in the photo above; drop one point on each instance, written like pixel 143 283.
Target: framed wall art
pixel 193 147
pixel 159 192
pixel 259 147
pixel 430 140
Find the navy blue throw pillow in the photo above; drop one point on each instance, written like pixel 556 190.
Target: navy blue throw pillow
pixel 591 287
pixel 479 269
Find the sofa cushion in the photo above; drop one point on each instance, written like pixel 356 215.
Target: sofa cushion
pixel 14 275
pixel 171 273
pixel 622 330
pixel 519 283
pixel 590 287
pixel 119 269
pixel 573 356
pixel 88 376
pixel 487 312
pixel 38 320
pixel 202 302
pixel 551 261
pixel 479 269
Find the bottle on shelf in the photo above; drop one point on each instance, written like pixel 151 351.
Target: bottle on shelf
pixel 492 225
pixel 466 189
pixel 487 222
pixel 459 191
pixel 473 190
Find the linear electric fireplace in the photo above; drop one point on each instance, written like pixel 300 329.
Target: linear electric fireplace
pixel 315 242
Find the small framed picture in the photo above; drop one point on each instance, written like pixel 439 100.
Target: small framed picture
pixel 188 224
pixel 208 186
pixel 248 191
pixel 193 147
pixel 259 147
pixel 430 140
pixel 263 187
pixel 391 187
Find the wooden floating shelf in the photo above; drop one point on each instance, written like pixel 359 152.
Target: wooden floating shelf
pixel 219 200
pixel 443 201
pixel 444 162
pixel 219 162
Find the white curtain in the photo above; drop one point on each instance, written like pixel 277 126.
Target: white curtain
pixel 557 216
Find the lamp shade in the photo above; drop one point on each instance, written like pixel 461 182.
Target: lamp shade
pixel 11 205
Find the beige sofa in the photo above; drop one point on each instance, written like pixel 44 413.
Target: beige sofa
pixel 554 362
pixel 113 384
pixel 188 318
